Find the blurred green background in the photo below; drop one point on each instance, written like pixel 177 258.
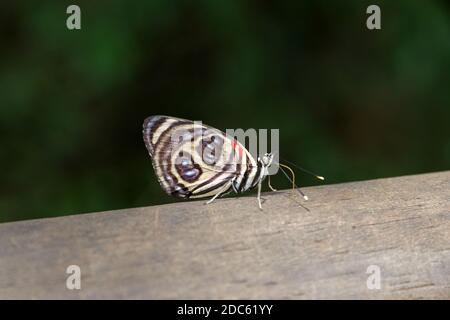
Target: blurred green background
pixel 350 103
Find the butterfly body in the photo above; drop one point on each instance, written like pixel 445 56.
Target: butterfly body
pixel 193 160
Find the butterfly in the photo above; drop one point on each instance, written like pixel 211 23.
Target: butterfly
pixel 193 160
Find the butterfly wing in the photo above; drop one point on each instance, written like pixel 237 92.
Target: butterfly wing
pixel 192 160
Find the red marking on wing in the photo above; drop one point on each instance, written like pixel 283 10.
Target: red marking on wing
pixel 238 147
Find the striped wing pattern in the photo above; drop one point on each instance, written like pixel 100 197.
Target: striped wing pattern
pixel 192 160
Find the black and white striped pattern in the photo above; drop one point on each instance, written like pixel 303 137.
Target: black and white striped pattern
pixel 195 161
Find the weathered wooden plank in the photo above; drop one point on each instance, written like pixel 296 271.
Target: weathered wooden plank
pixel 230 249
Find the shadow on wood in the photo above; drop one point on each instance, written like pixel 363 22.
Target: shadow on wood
pixel 230 249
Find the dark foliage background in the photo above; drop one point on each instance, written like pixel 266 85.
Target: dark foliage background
pixel 350 103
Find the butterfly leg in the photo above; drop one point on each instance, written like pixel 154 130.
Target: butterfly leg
pixel 270 186
pixel 226 187
pixel 259 195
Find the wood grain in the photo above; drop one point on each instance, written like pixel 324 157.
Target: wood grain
pixel 230 249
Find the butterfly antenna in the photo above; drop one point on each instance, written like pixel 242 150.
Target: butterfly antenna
pixel 305 170
pixel 294 186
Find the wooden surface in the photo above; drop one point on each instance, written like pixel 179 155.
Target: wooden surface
pixel 230 249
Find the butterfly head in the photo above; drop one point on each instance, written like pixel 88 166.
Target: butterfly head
pixel 267 159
